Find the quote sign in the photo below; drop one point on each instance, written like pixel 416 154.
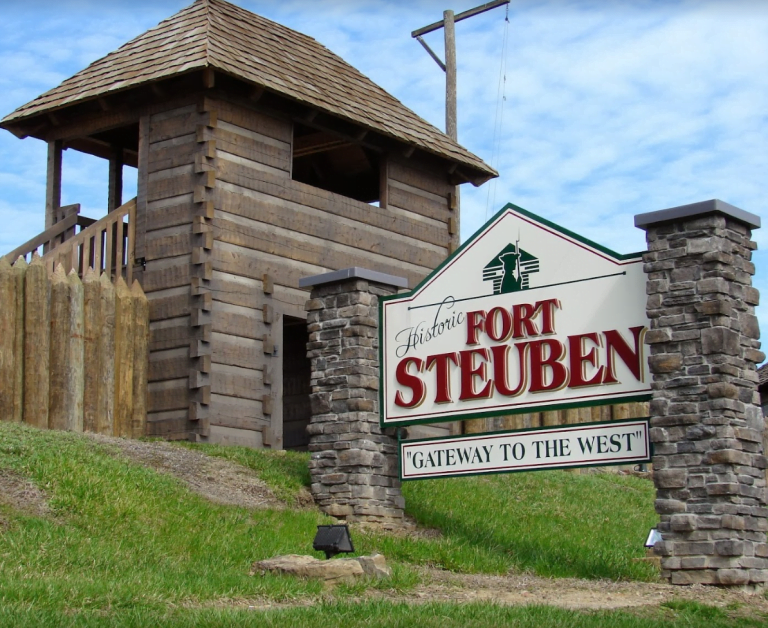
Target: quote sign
pixel 596 444
pixel 526 316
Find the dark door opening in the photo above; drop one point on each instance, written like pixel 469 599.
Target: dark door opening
pixel 297 370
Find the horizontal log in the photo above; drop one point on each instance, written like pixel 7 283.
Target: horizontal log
pixel 169 334
pixel 236 351
pixel 168 395
pixel 168 242
pixel 237 413
pixel 236 382
pixel 422 177
pixel 172 305
pixel 167 273
pixel 295 197
pixel 174 186
pixel 162 216
pixel 254 121
pixel 236 320
pixel 173 155
pixel 254 147
pixel 229 288
pixel 174 364
pixel 405 199
pixel 164 128
pixel 410 248
pixel 315 251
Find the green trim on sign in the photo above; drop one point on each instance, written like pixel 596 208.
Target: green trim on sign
pixel 527 429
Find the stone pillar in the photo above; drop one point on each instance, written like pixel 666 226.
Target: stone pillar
pixel 706 424
pixel 354 464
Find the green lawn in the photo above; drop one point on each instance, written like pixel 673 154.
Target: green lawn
pixel 126 546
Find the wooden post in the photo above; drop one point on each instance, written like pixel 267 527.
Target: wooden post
pixel 36 343
pixel 141 190
pixel 58 384
pixel 123 360
pixel 53 182
pixel 140 360
pixel 8 307
pixel 115 199
pixel 105 415
pixel 75 370
pixel 19 274
pixel 450 75
pixel 92 329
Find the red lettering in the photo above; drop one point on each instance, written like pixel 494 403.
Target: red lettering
pixel 506 324
pixel 578 358
pixel 442 375
pixel 615 343
pixel 469 372
pixel 475 323
pixel 404 378
pixel 501 368
pixel 548 307
pixel 539 362
pixel 523 325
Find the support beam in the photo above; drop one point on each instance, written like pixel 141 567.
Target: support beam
pixel 53 183
pixel 115 179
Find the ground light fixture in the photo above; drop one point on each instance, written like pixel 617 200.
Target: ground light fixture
pixel 333 540
pixel 654 536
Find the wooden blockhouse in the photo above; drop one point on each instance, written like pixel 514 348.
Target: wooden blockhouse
pixel 262 158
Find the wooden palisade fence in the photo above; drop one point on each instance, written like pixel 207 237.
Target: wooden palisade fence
pixel 73 354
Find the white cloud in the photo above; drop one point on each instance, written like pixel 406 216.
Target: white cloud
pixel 612 109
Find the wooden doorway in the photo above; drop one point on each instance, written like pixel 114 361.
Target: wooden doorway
pixel 297 370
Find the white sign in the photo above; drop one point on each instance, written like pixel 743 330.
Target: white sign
pixel 617 442
pixel 525 316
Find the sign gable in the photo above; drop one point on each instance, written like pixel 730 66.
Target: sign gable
pixel 524 316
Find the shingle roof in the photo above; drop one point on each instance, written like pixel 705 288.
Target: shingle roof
pixel 762 373
pixel 217 34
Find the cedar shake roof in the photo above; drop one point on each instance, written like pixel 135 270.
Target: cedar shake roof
pixel 229 39
pixel 762 373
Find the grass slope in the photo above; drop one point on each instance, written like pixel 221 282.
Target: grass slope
pixel 126 546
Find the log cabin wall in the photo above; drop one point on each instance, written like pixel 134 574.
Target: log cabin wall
pixel 268 232
pixel 172 240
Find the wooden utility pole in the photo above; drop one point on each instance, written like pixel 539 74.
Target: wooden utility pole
pixel 449 67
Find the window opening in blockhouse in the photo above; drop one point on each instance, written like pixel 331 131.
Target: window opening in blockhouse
pixel 86 169
pixel 331 162
pixel 297 370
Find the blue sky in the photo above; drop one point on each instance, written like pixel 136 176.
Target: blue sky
pixel 612 108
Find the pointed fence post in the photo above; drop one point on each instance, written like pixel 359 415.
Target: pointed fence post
pixel 124 318
pixel 92 328
pixel 36 343
pixel 19 273
pixel 75 366
pixel 8 307
pixel 140 359
pixel 105 403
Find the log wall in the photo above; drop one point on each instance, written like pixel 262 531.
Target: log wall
pixel 229 234
pixel 73 353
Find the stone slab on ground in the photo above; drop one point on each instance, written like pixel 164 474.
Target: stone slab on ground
pixel 333 571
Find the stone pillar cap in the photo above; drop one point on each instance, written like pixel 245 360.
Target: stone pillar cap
pixel 353 273
pixel 643 221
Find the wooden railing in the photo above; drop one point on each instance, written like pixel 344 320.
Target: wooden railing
pixel 68 223
pixel 105 245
